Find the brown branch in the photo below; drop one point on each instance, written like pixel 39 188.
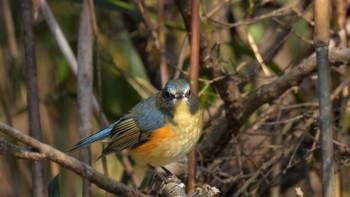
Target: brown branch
pixel 99 114
pixel 206 191
pixel 322 18
pixel 269 92
pixel 209 60
pixel 275 41
pixel 71 163
pixel 20 152
pixel 10 30
pixel 266 94
pixel 93 18
pixel 239 109
pixel 68 53
pixel 73 65
pixel 46 152
pixel 194 72
pixel 158 37
pixel 194 36
pixel 182 56
pixel 85 55
pixel 174 187
pixel 38 175
pixel 164 71
pixel 340 12
pixel 287 10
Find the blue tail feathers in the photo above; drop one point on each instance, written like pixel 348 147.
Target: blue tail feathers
pixel 94 137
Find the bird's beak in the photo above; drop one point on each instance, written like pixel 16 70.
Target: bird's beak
pixel 179 96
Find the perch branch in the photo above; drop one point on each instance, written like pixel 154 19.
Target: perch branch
pixel 70 163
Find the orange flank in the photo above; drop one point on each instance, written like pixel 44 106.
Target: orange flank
pixel 157 137
pixel 171 142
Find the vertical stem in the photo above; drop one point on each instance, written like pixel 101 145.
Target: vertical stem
pixel 85 54
pixel 321 39
pixel 10 29
pixel 326 125
pixel 164 73
pixel 195 30
pixel 100 116
pixel 194 72
pixel 38 177
pixel 73 64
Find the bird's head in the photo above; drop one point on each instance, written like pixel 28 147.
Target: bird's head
pixel 173 94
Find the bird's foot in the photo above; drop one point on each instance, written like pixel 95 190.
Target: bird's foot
pixel 167 176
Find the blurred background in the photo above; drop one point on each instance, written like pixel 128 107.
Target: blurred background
pixel 274 151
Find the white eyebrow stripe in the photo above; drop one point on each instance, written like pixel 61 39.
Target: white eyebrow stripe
pixel 172 91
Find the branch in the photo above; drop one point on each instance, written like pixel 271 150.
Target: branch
pixel 159 37
pixel 67 52
pixel 268 93
pixel 71 163
pixel 236 109
pixel 194 72
pixel 164 71
pixel 38 175
pixel 10 149
pixel 73 65
pixel 85 76
pixel 174 187
pixel 10 29
pixel 210 62
pixel 321 39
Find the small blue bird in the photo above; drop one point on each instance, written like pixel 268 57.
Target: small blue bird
pixel 159 130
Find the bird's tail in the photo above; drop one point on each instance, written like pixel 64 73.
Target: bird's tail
pixel 93 138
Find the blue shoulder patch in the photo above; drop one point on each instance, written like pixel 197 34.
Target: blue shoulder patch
pixel 147 115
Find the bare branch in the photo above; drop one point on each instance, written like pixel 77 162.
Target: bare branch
pixel 159 37
pixel 164 71
pixel 38 175
pixel 85 77
pixel 73 64
pixel 10 149
pixel 321 39
pixel 194 73
pixel 10 30
pixel 71 163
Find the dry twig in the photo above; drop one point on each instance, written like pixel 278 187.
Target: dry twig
pixel 69 162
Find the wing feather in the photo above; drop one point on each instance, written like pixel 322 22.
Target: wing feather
pixel 136 127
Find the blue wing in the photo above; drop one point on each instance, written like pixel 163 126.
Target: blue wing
pixel 131 130
pixel 147 115
pixel 104 133
pixel 136 127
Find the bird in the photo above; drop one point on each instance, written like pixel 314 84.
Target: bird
pixel 158 130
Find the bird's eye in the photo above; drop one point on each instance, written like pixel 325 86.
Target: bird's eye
pixel 189 93
pixel 167 95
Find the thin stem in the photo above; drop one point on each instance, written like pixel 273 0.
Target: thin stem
pixel 194 70
pixel 164 71
pixel 85 55
pixel 321 39
pixel 38 176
